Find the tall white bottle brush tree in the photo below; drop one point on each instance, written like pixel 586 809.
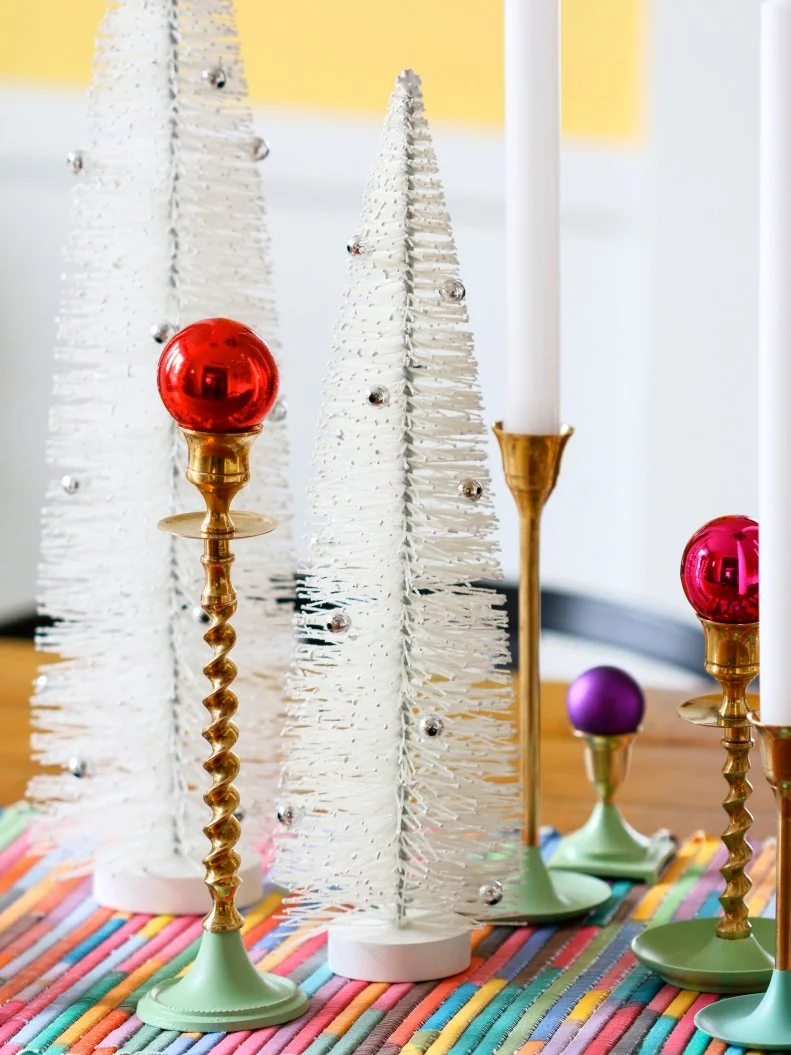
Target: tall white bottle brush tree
pixel 169 227
pixel 399 722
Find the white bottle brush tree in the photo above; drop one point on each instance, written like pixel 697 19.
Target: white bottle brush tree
pixel 169 227
pixel 399 715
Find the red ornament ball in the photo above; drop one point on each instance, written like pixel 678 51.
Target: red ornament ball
pixel 719 570
pixel 217 376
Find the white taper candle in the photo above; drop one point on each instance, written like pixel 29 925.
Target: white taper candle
pixel 775 363
pixel 532 163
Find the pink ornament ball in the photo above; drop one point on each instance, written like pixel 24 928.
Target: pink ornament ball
pixel 605 701
pixel 719 570
pixel 217 376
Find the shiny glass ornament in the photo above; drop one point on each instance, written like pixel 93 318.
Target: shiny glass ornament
pixel 355 247
pixel 70 484
pixel 261 149
pixel 80 768
pixel 75 159
pixel 286 814
pixel 453 291
pixel 40 682
pixel 162 332
pixel 471 489
pixel 215 76
pixel 431 726
pixel 200 616
pixel 217 376
pixel 719 570
pixel 491 893
pixel 339 623
pixel 279 411
pixel 378 396
pixel 605 701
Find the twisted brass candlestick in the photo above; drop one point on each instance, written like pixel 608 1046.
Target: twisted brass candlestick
pixel 733 956
pixel 219 468
pixel 764 1021
pixel 731 658
pixel 532 465
pixel 223 990
pixel 223 766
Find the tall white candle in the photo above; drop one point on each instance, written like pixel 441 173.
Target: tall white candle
pixel 775 363
pixel 532 192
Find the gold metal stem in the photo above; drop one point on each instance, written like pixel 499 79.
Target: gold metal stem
pixel 218 464
pixel 738 741
pixel 731 658
pixel 531 465
pixel 222 862
pixel 776 756
pixel 783 905
pixel 529 670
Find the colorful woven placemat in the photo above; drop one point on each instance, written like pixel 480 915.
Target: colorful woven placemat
pixel 71 974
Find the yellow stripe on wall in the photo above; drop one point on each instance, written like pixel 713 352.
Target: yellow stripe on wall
pixel 343 55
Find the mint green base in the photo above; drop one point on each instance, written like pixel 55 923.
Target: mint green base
pixel 607 846
pixel 222 991
pixel 542 896
pixel 688 954
pixel 762 1022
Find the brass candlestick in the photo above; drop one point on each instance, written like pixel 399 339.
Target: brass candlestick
pixel 607 845
pixel 731 658
pixel 219 466
pixel 734 954
pixel 776 759
pixel 606 707
pixel 222 363
pixel 532 465
pixel 764 1021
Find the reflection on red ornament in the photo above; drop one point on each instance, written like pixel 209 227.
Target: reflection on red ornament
pixel 719 570
pixel 217 376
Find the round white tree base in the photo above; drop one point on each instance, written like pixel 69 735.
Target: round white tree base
pixel 176 889
pixel 423 949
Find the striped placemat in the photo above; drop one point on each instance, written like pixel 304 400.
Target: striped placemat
pixel 71 974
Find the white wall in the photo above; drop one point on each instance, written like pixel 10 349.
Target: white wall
pixel 702 374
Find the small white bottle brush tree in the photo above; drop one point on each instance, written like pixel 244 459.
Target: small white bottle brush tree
pixel 169 227
pixel 399 716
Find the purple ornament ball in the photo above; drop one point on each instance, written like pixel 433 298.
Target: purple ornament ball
pixel 605 701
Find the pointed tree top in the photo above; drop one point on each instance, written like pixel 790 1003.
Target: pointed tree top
pixel 409 82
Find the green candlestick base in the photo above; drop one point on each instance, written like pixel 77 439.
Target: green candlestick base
pixel 607 846
pixel 542 897
pixel 762 1022
pixel 222 992
pixel 688 954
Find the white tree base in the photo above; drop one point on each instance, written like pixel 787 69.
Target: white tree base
pixel 177 889
pixel 372 951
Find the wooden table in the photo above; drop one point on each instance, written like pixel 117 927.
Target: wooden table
pixel 675 779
